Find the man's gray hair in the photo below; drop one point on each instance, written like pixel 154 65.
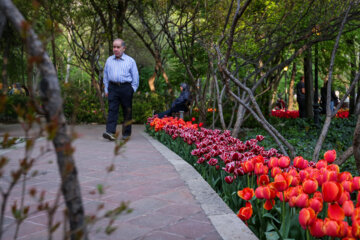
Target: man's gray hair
pixel 122 41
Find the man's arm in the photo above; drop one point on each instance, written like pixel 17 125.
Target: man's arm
pixel 135 76
pixel 106 80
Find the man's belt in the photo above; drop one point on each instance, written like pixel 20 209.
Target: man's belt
pixel 119 83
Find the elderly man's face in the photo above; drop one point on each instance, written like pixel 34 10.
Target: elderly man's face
pixel 118 49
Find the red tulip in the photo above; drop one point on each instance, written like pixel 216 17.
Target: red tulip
pixel 348 186
pixel 246 212
pixel 348 207
pixel 330 156
pixel 201 124
pixel 331 191
pixel 247 193
pixel 269 192
pixel 317 228
pixel 259 192
pixel 310 186
pixel 229 179
pixel 321 164
pixel 302 201
pixel 307 217
pixel 300 162
pixel 331 227
pixel 356 183
pixel 316 204
pixel 284 162
pixel 344 197
pixel 263 180
pixel 335 212
pixel 193 119
pixel 345 176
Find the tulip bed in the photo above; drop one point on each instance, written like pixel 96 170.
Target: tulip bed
pixel 342 113
pixel 276 197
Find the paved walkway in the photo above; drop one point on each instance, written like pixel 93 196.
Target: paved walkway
pixel 168 197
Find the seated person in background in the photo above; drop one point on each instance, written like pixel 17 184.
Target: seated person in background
pixel 180 103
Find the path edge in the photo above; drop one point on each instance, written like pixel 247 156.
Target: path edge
pixel 226 223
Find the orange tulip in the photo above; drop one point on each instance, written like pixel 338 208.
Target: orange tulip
pixel 269 192
pixel 317 228
pixel 307 217
pixel 348 207
pixel 310 186
pixel 269 203
pixel 335 212
pixel 247 193
pixel 356 228
pixel 275 171
pixel 356 215
pixel 246 212
pixel 260 169
pixel 330 156
pixel 331 228
pixel 333 167
pixel 331 191
pixel 273 162
pixel 248 166
pixel 282 181
pixel 344 226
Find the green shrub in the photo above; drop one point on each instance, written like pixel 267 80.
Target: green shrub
pixel 9 114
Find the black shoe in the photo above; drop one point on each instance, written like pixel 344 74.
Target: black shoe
pixel 109 136
pixel 125 138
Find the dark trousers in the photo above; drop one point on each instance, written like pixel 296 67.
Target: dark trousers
pixel 302 110
pixel 120 95
pixel 176 108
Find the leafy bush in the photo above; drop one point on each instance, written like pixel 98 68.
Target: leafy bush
pixel 12 102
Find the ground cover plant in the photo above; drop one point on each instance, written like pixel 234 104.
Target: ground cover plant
pixel 277 197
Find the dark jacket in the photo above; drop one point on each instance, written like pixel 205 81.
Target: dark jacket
pixel 184 97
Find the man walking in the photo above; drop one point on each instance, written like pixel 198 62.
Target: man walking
pixel 121 80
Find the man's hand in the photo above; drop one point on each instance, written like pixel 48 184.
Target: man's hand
pixel 106 94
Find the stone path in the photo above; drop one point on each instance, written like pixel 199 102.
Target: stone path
pixel 168 197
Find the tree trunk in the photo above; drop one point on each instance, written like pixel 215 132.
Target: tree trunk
pixel 67 74
pixel 309 93
pixel 151 82
pixel 51 97
pixel 291 88
pixel 239 120
pixel 352 101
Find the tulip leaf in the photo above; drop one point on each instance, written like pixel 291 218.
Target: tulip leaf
pixel 269 215
pixel 272 235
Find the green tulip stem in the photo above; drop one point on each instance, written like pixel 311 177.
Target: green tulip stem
pixel 307 234
pixel 283 207
pixel 248 180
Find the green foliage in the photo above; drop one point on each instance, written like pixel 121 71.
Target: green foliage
pixel 12 102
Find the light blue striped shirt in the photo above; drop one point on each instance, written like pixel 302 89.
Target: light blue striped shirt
pixel 121 70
